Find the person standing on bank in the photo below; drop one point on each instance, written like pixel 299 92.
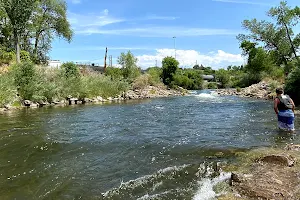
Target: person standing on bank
pixel 284 107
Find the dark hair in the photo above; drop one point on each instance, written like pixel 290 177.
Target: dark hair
pixel 279 90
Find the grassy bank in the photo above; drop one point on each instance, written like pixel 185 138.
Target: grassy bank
pixel 40 84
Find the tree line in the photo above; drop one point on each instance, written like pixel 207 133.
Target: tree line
pixel 27 28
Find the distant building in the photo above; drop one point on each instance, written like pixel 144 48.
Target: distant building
pixel 208 77
pixel 54 63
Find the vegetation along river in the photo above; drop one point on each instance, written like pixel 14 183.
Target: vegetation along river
pixel 152 149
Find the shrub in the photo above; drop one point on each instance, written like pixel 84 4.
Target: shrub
pixel 25 56
pixel 292 85
pixel 25 78
pixel 114 73
pixel 169 68
pixel 212 85
pixel 141 82
pixel 155 74
pixel 70 70
pixel 6 57
pixel 7 89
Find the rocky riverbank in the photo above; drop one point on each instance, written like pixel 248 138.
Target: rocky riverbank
pixel 266 174
pixel 262 90
pixel 145 93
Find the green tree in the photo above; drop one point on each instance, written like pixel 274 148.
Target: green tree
pixel 129 65
pixel 223 77
pixel 48 19
pixel 286 18
pixel 155 74
pixel 114 72
pixel 19 13
pixel 169 68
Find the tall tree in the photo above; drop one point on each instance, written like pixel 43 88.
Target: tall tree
pixel 129 65
pixel 286 18
pixel 19 13
pixel 49 18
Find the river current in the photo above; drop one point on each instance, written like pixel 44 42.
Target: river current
pixel 151 149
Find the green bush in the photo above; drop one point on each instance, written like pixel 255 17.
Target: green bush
pixel 70 70
pixel 25 78
pixel 7 89
pixel 25 56
pixel 212 85
pixel 292 85
pixel 169 68
pixel 6 57
pixel 155 74
pixel 223 77
pixel 141 82
pixel 114 72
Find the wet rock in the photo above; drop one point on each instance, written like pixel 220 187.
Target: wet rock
pixel 292 147
pixel 27 103
pixel 284 160
pixel 271 177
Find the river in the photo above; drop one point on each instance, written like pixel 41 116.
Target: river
pixel 150 149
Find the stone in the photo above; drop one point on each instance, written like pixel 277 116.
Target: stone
pixel 284 160
pixel 27 103
pixel 292 147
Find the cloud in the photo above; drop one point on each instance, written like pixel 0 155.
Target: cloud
pixel 157 17
pixel 158 31
pixel 76 1
pixel 92 21
pixel 188 58
pixel 244 2
pixel 100 48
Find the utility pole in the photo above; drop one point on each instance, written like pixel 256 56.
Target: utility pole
pixel 110 60
pixel 175 45
pixel 156 63
pixel 105 60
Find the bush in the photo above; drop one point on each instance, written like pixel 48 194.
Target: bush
pixel 24 56
pixel 70 70
pixel 7 57
pixel 141 82
pixel 25 78
pixel 169 68
pixel 114 73
pixel 223 77
pixel 212 85
pixel 155 74
pixel 292 85
pixel 7 89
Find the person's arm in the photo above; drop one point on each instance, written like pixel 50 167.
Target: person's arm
pixel 293 109
pixel 275 106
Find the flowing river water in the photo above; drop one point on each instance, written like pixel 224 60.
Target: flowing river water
pixel 151 149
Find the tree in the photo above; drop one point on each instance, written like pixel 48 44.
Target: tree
pixel 18 12
pixel 169 68
pixel 129 65
pixel 286 18
pixel 49 18
pixel 223 77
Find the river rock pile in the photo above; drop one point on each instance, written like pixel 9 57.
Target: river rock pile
pixel 261 90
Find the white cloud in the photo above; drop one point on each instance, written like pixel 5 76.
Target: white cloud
pixel 157 17
pixel 91 21
pixel 244 2
pixel 188 58
pixel 158 31
pixel 76 1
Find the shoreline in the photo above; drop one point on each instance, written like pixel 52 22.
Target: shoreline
pixel 149 92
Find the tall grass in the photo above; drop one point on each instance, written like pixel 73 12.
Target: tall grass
pixel 40 84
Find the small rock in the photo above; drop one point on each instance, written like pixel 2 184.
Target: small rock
pixel 284 160
pixel 27 103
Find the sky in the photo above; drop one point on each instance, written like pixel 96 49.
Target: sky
pixel 199 31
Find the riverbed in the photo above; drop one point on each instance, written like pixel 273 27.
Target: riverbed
pixel 145 149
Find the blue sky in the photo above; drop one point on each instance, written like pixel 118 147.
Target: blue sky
pixel 205 30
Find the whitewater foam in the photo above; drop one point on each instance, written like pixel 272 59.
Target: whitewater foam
pixel 206 185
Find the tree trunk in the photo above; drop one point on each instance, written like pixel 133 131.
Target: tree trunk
pixel 291 42
pixel 36 45
pixel 17 47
